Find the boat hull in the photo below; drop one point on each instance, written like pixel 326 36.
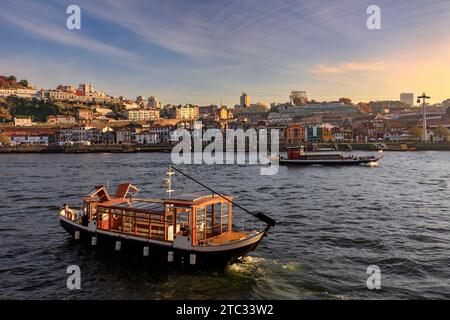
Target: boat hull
pixel 348 162
pixel 162 251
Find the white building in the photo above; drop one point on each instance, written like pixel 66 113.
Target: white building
pixel 21 93
pixel 153 102
pixel 76 134
pixel 129 105
pixel 187 112
pixel 146 138
pixel 61 120
pixel 30 139
pixel 60 95
pixel 162 133
pixel 22 122
pixel 143 114
pixel 123 136
pixel 275 118
pixel 407 98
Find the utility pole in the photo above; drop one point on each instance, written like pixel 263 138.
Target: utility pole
pixel 424 97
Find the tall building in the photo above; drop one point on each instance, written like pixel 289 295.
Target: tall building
pixel 187 112
pixel 85 88
pixel 245 100
pixel 298 98
pixel 153 102
pixel 407 98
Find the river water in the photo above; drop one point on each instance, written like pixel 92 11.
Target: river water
pixel 333 222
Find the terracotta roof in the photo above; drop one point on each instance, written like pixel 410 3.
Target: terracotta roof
pixel 123 189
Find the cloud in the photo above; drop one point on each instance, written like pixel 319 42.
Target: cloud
pixel 348 67
pixel 43 26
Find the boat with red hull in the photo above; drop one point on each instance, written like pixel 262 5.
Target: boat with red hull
pixel 297 156
pixel 190 229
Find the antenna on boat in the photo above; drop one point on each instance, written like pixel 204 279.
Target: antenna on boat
pixel 270 222
pixel 169 181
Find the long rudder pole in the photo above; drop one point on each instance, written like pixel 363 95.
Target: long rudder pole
pixel 258 215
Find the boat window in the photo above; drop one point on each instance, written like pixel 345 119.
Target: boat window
pixel 131 222
pixel 215 222
pixel 115 220
pixel 224 213
pixel 201 224
pixel 183 216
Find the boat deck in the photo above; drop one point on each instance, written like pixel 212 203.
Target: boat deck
pixel 226 237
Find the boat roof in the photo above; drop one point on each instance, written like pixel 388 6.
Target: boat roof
pixel 195 198
pixel 141 205
pixel 135 205
pixel 121 201
pixel 325 153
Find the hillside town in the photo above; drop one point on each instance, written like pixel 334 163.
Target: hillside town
pixel 69 115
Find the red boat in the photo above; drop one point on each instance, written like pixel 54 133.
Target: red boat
pixel 297 156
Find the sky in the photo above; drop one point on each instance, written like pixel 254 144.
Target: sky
pixel 205 52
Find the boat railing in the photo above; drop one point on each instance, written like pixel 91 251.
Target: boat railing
pixel 242 224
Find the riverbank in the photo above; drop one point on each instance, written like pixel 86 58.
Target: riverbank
pixel 439 146
pixel 87 149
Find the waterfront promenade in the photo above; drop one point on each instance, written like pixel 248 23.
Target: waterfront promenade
pixel 124 148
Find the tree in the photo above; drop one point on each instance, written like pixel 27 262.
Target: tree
pixel 345 100
pixel 365 107
pixel 24 83
pixel 4 139
pixel 442 133
pixel 38 110
pixel 12 78
pixel 416 132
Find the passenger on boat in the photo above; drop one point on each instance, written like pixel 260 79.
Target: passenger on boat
pixel 84 217
pixel 68 212
pixel 184 230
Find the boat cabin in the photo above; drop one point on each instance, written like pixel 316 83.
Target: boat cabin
pixel 295 152
pixel 201 219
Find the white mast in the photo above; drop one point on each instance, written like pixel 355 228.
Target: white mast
pixel 169 173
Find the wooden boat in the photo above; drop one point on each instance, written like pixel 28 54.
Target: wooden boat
pixel 297 156
pixel 189 229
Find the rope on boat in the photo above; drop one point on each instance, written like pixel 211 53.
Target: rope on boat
pixel 270 222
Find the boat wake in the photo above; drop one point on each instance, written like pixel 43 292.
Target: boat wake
pixel 371 164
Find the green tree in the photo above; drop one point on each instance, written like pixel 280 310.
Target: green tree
pixel 416 132
pixel 4 139
pixel 442 133
pixel 345 100
pixel 38 110
pixel 24 83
